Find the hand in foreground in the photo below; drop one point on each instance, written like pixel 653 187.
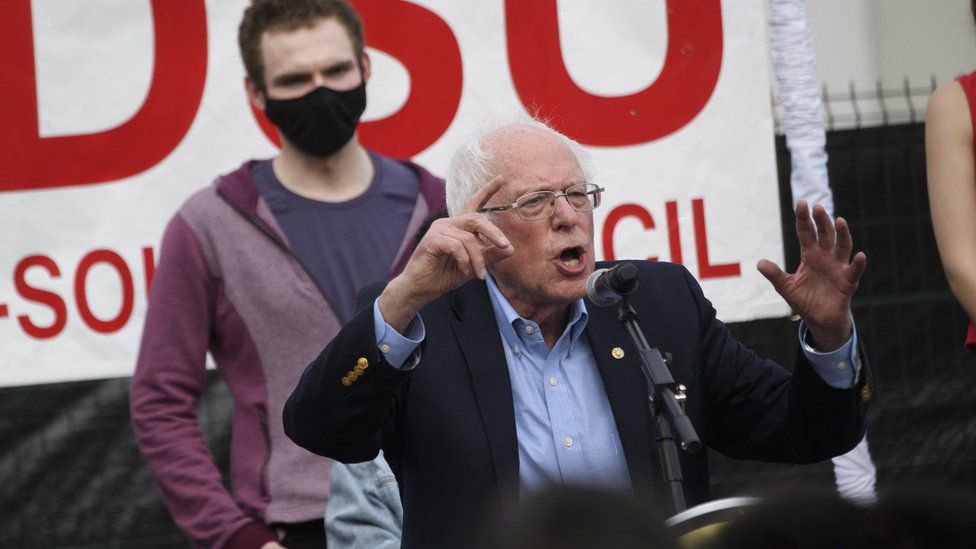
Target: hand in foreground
pixel 820 290
pixel 454 250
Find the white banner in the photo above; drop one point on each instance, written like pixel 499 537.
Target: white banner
pixel 117 110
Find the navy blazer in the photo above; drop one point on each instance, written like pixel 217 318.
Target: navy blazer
pixel 447 427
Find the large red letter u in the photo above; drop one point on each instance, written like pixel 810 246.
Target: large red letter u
pixel 691 68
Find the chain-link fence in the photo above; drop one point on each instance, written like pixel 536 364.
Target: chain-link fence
pixel 923 423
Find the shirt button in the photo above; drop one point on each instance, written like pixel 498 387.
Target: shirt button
pixel 516 350
pixel 841 365
pixel 385 348
pixel 529 329
pixel 567 442
pixel 553 381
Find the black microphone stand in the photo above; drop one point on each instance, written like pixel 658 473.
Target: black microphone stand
pixel 666 403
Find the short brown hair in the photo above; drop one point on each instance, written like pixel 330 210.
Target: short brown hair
pixel 271 15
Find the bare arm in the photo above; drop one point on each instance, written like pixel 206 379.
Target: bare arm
pixel 952 189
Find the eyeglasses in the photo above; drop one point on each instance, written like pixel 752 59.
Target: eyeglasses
pixel 583 197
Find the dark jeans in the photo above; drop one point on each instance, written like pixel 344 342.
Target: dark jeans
pixel 303 535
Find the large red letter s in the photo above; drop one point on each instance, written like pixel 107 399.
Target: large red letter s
pixel 425 45
pixel 28 161
pixel 691 68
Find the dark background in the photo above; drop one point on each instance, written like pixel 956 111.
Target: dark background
pixel 71 474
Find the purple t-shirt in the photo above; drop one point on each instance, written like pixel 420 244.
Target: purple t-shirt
pixel 345 245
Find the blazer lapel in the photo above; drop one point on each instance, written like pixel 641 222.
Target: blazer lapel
pixel 627 389
pixel 477 334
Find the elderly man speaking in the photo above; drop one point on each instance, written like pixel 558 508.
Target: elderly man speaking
pixel 484 373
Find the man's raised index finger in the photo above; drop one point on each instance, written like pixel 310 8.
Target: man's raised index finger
pixel 483 195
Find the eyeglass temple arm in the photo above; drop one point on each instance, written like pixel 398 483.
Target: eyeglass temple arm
pixel 497 208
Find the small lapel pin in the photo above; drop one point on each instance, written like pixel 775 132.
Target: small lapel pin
pixel 617 353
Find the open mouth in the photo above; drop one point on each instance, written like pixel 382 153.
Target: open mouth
pixel 571 256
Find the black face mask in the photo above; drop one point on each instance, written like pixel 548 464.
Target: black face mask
pixel 320 122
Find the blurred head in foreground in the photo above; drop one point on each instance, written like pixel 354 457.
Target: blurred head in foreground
pixel 572 517
pixel 901 519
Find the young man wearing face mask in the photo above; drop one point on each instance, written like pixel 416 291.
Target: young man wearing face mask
pixel 261 267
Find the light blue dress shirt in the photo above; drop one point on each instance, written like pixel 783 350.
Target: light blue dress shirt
pixel 565 427
pixel 566 431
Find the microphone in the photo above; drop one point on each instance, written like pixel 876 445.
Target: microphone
pixel 605 287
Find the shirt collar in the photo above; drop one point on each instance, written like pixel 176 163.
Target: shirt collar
pixel 507 319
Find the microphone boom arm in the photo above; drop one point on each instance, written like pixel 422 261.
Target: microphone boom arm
pixel 666 403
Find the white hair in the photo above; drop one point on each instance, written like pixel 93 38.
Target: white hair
pixel 469 169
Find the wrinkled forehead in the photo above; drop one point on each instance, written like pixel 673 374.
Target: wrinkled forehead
pixel 531 159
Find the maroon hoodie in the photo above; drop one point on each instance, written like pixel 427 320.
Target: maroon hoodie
pixel 228 284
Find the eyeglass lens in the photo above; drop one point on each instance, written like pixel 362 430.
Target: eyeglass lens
pixel 541 204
